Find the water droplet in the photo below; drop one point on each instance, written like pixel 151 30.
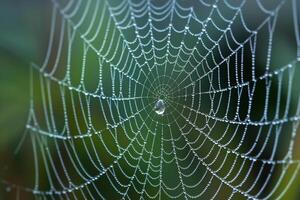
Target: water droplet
pixel 160 107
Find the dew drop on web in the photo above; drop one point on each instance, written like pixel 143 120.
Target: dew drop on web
pixel 160 107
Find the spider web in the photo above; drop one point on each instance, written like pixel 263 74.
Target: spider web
pixel 232 107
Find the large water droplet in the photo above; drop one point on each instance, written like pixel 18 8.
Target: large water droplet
pixel 160 107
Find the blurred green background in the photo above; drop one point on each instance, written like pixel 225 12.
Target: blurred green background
pixel 24 32
pixel 23 38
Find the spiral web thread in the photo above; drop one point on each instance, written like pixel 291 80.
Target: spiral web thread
pixel 229 128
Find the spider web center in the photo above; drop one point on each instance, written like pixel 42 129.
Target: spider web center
pixel 160 107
